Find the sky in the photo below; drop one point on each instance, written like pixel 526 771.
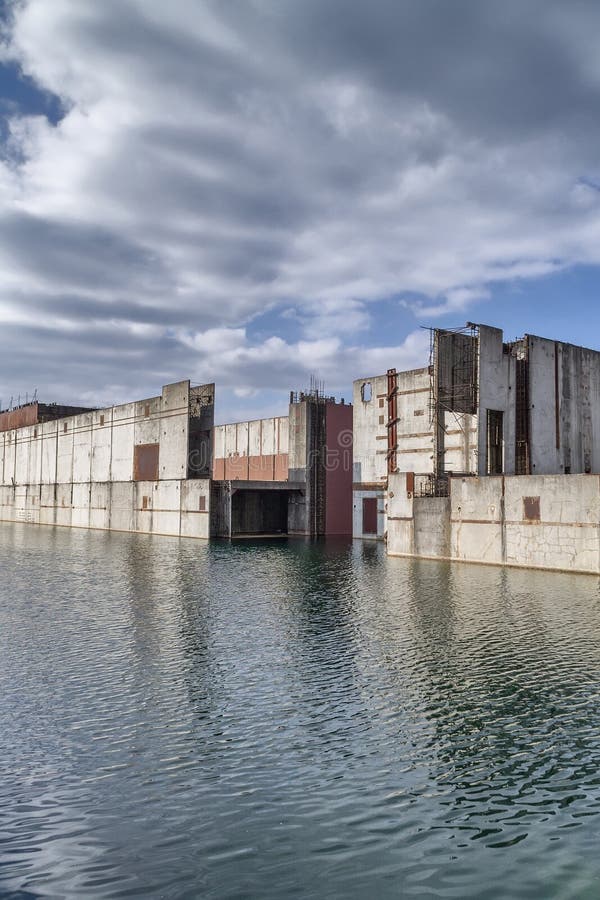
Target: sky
pixel 258 191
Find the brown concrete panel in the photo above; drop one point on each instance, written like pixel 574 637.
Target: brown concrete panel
pixel 261 468
pixel 219 469
pixel 236 468
pixel 531 509
pixel 338 470
pixel 145 462
pixel 281 467
pixel 18 418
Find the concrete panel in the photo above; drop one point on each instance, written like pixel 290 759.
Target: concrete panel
pixel 174 429
pixel 236 468
pixel 431 527
pixel 82 448
pixel 48 501
pixel 80 516
pixel 261 468
pixel 281 467
pixel 496 392
pixel 195 508
pixel 298 431
pixel 370 435
pixel 563 499
pixel 283 427
pixel 64 467
pixel 147 421
pixel 9 457
pixel 166 508
pixel 49 431
pixel 101 450
pixel 22 456
pixel 123 432
pixel 64 509
pixel 242 438
pixel 255 438
pixel 122 506
pixel 357 514
pixel 100 505
pixel 219 469
pixel 219 442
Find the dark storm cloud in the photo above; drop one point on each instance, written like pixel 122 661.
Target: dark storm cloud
pixel 75 253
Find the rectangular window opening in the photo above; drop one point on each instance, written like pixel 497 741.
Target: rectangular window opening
pixel 495 442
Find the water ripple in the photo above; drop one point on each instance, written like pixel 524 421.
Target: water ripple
pixel 292 719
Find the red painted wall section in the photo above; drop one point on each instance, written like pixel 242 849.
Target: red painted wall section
pixel 18 418
pixel 269 467
pixel 338 505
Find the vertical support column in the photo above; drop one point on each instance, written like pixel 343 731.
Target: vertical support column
pixel 392 421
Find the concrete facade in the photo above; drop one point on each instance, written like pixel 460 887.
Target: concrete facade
pixel 483 407
pixel 305 456
pixel 122 468
pixel 538 521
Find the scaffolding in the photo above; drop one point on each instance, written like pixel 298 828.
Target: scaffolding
pixel 454 385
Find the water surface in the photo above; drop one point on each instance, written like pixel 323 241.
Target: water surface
pixel 292 719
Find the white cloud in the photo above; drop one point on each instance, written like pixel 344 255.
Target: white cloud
pixel 219 161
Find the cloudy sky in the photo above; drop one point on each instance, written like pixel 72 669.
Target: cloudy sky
pixel 252 192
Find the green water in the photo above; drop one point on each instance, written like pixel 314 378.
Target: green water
pixel 292 720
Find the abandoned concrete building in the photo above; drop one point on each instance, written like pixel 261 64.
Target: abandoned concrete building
pixel 141 466
pixel 481 407
pixel 491 453
pixel 289 474
pixel 160 466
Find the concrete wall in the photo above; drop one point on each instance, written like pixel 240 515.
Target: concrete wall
pixel 252 451
pixel 370 433
pixel 80 471
pixel 550 521
pixel 173 507
pixel 496 382
pixel 100 445
pixel 357 513
pixel 414 438
pixel 564 407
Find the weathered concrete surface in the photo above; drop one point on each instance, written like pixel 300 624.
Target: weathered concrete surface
pixel 252 451
pixel 79 471
pixel 174 507
pixel 548 522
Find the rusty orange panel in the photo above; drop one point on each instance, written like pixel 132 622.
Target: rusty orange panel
pixel 18 418
pixel 261 468
pixel 531 509
pixel 281 467
pixel 219 469
pixel 145 462
pixel 236 468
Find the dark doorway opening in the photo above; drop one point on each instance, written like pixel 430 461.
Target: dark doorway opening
pixel 369 515
pixel 259 512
